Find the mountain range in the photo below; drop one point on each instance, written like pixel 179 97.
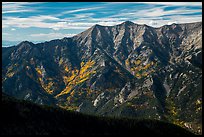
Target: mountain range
pixel 127 70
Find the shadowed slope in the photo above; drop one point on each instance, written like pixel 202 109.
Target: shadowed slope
pixel 26 118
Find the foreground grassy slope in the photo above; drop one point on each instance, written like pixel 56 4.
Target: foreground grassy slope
pixel 21 117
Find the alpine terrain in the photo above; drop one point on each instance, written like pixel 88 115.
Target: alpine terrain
pixel 127 70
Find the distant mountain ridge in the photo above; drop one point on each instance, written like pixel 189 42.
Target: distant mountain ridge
pixel 124 70
pixel 6 43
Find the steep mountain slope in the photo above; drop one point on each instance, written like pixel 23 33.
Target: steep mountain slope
pixel 124 70
pixel 26 118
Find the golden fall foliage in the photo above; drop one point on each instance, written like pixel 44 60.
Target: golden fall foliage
pixel 73 108
pixel 138 75
pixel 137 62
pixel 198 102
pixel 48 87
pixel 10 68
pixel 142 71
pixel 127 63
pixel 72 93
pixel 39 71
pixel 198 105
pixel 10 73
pixel 66 69
pixel 173 113
pixel 82 63
pixel 77 77
pixel 60 61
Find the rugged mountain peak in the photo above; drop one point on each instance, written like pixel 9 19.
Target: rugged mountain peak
pixel 24 46
pixel 96 26
pixel 88 33
pixel 96 29
pixel 26 43
pixel 128 23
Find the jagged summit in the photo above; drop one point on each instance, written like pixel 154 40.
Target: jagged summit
pixel 26 43
pixel 128 23
pixel 97 25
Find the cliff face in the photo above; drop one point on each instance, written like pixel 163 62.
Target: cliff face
pixel 124 70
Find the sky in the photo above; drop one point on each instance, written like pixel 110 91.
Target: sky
pixel 44 21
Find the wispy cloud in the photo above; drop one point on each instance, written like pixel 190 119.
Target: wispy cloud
pixel 156 12
pixel 159 16
pixel 159 11
pixel 173 19
pixel 43 22
pixel 16 7
pixel 6 34
pixel 50 36
pixel 79 10
pixel 174 3
pixel 70 18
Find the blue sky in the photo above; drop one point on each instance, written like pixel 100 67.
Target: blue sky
pixel 42 21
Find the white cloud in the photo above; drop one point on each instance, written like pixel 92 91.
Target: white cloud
pixel 186 19
pixel 174 3
pixel 161 12
pixel 156 12
pixel 36 36
pixel 83 15
pixel 169 23
pixel 153 23
pixel 163 3
pixel 16 7
pixel 158 16
pixel 5 34
pixel 15 11
pixel 152 15
pixel 78 10
pixel 43 21
pixel 109 23
pixel 50 36
pixel 173 19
